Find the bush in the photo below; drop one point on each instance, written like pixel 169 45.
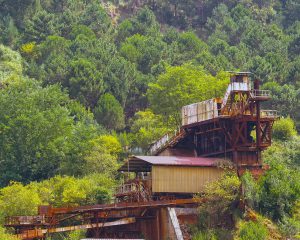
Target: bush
pixel 17 199
pixel 205 235
pixel 222 197
pixel 290 227
pixel 252 230
pixel 284 129
pixel 6 236
pixel 212 234
pixel 250 190
pixel 279 191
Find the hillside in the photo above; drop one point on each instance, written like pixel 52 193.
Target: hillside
pixel 86 83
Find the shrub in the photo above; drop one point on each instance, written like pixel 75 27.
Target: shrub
pixel 250 190
pixel 205 235
pixel 252 230
pixel 222 197
pixel 6 236
pixel 212 234
pixel 284 129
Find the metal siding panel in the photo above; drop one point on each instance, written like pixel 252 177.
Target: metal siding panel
pixel 182 179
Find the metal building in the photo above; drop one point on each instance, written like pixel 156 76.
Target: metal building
pixel 171 174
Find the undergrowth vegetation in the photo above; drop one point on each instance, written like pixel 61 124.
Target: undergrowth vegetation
pixel 84 84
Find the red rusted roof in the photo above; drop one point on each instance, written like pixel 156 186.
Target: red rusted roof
pixel 144 163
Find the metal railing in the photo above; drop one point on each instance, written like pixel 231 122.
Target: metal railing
pixel 162 141
pixel 260 93
pixel 25 220
pixel 269 113
pixel 127 188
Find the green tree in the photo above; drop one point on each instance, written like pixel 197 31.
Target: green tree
pixel 183 47
pixel 10 33
pixel 16 200
pixel 96 18
pixel 181 86
pixel 146 128
pixel 121 78
pixel 222 197
pixel 143 23
pixel 37 130
pixel 10 65
pixel 31 130
pixel 284 129
pixel 285 99
pixel 103 155
pixel 144 51
pixel 40 26
pixel 279 191
pixel 54 54
pixel 86 82
pixel 109 112
pixel 6 236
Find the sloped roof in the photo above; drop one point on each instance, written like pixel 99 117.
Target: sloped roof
pixel 144 163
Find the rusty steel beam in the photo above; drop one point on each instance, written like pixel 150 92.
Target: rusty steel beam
pixel 149 204
pixel 39 233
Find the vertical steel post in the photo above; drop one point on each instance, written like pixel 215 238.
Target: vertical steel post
pixel 258 132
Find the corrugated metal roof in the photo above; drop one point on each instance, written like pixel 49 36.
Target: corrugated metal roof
pixel 182 161
pixel 144 163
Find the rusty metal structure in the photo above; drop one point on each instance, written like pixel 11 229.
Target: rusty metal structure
pixel 117 220
pixel 233 129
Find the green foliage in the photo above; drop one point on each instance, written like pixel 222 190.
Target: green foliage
pixel 289 157
pixel 284 129
pixel 276 194
pixel 54 53
pixel 223 192
pixel 250 190
pixel 61 191
pixel 285 99
pixel 144 51
pixel 75 235
pixel 10 34
pixel 86 82
pixel 119 70
pixel 144 23
pixel 147 128
pixel 103 155
pixel 290 226
pixel 222 197
pixel 279 191
pixel 6 236
pixel 10 65
pixel 17 199
pixel 207 235
pixel 212 234
pixel 252 230
pixel 109 112
pixel 96 18
pixel 183 85
pixel 40 26
pixel 38 131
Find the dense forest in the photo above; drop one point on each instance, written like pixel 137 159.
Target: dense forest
pixel 85 83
